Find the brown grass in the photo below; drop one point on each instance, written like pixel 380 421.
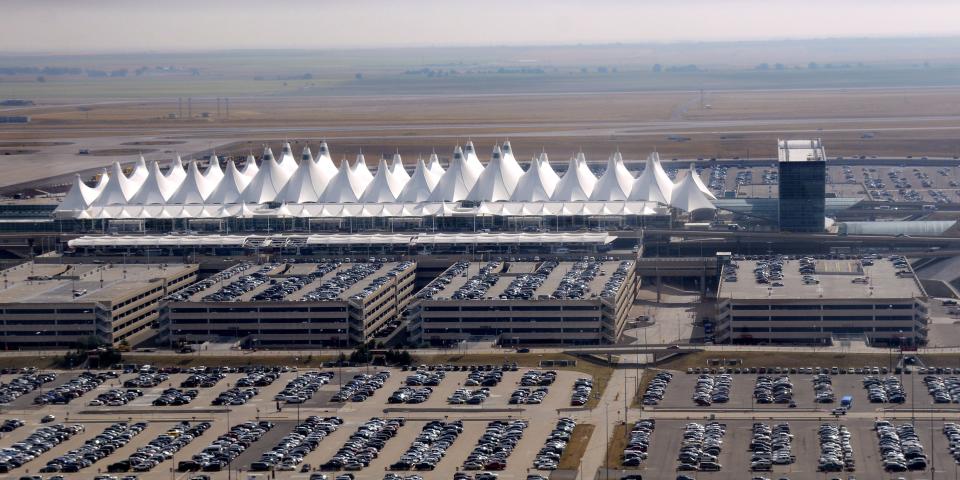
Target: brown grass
pixel 800 359
pixel 579 438
pixel 616 444
pixel 188 360
pixel 645 379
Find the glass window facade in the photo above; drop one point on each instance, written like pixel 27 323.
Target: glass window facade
pixel 802 196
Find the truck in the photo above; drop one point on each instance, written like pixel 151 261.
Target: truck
pixel 846 401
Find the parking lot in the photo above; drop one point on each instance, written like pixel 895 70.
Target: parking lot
pixel 541 419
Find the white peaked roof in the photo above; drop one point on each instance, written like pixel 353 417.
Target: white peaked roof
pixel 498 180
pixel 307 183
pixel 305 155
pixel 140 172
pixel 456 182
pixel 214 173
pixel 699 181
pixel 345 186
pixel 538 183
pixel 434 165
pixel 385 186
pixel 472 161
pixel 616 183
pixel 397 169
pixel 118 190
pixel 361 171
pixel 287 162
pixel 194 189
pixel 230 189
pixel 324 161
pixel 510 163
pixel 267 183
pixel 420 185
pixel 102 183
pixel 176 173
pixel 79 197
pixel 156 190
pixel 250 169
pixel 653 185
pixel 577 183
pixel 687 196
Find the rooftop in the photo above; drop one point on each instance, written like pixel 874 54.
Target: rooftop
pixel 801 150
pixel 523 280
pixel 81 283
pixel 292 282
pixel 830 278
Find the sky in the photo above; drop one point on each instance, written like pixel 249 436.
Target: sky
pixel 92 26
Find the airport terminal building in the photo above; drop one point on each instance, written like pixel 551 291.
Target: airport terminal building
pixel 59 305
pixel 292 305
pixel 817 301
pixel 526 303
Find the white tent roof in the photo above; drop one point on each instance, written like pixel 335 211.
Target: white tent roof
pixel 456 182
pixel 324 162
pixel 250 169
pixel 538 183
pixel 510 163
pixel 194 189
pixel 397 169
pixel 615 183
pixel 230 189
pixel 176 173
pixel 385 187
pixel 687 195
pixel 472 160
pixel 653 185
pixel 420 185
pixel 345 187
pixel 361 170
pixel 156 190
pixel 214 173
pixel 102 183
pixel 287 162
pixel 498 180
pixel 307 182
pixel 434 165
pixel 268 182
pixel 79 197
pixel 118 190
pixel 140 172
pixel 577 183
pixel 699 182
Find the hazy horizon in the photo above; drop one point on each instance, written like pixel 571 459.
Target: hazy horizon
pixel 117 26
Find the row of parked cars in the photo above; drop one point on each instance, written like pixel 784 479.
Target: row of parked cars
pixel 430 446
pixel 836 450
pixel 23 385
pixel 771 446
pixel 341 281
pixel 146 380
pixel 162 447
pixel 485 378
pixel 616 279
pixel 823 388
pixel 495 445
pixel 943 390
pixel 538 378
pixel 42 440
pixel 116 397
pixel 425 378
pixel 235 396
pixel 525 285
pixel 221 452
pixel 175 397
pixel 712 389
pixel 74 388
pixel 293 447
pixel 11 424
pixel 635 452
pixel 238 287
pixel 476 286
pixel 884 389
pixel 259 378
pixel 185 293
pixel 365 444
pixel 701 446
pixel 576 282
pixel 438 284
pixel 202 380
pixel 952 431
pixel 108 441
pixel 900 447
pixel 466 396
pixel 548 458
pixel 582 388
pixel 657 388
pixel 773 390
pixel 410 395
pixel 303 387
pixel 378 282
pixel 361 386
pixel 527 396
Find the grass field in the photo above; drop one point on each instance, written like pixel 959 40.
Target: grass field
pixel 579 438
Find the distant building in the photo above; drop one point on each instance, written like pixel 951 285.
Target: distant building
pixel 16 102
pixel 803 170
pixel 14 119
pixel 59 305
